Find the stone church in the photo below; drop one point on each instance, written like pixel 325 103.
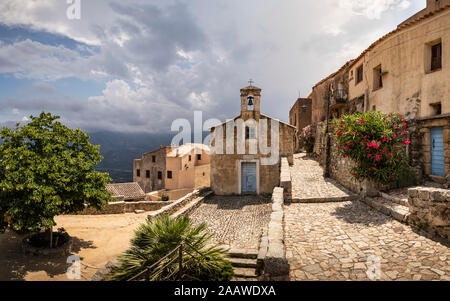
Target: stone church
pixel 246 150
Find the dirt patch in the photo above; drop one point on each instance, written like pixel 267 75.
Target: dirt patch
pixel 97 239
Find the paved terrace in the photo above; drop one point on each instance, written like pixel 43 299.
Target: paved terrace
pixel 235 221
pixel 333 241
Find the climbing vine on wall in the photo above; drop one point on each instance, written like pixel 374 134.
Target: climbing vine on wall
pixel 376 142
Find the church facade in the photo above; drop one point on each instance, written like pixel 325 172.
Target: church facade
pixel 246 150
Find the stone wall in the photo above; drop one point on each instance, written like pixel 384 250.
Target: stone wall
pixel 285 179
pixel 125 207
pixel 276 266
pixel 430 210
pixel 178 204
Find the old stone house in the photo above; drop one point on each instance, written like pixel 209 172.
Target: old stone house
pixel 188 166
pixel 246 150
pixel 300 117
pixel 406 71
pixel 171 168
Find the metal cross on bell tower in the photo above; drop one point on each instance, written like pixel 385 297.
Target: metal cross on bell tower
pixel 251 82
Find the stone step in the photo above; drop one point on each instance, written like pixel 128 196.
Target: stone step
pixel 243 262
pixel 388 207
pixel 235 253
pixel 245 273
pixel 350 197
pixel 397 200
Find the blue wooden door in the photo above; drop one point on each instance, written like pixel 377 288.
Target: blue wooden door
pixel 437 151
pixel 248 177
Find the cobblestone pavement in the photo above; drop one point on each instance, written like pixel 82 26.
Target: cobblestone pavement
pixel 235 221
pixel 334 241
pixel 308 183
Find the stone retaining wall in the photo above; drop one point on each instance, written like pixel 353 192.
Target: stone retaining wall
pixel 276 266
pixel 285 179
pixel 178 204
pixel 430 210
pixel 125 207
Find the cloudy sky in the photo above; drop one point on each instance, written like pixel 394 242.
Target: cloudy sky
pixel 135 66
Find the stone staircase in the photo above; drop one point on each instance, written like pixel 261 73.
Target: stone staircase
pixel 245 265
pixel 396 207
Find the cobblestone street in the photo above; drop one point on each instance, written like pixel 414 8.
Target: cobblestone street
pixel 309 185
pixel 335 241
pixel 235 221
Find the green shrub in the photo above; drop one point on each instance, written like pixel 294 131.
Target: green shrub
pixel 156 238
pixel 164 197
pixel 376 142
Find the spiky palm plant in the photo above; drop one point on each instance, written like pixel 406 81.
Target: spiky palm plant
pixel 156 238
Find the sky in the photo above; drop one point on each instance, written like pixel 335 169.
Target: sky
pixel 135 65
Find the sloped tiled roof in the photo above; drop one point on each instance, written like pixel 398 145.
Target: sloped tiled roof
pixel 128 190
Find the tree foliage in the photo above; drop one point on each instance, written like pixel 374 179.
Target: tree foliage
pixel 47 169
pixel 376 142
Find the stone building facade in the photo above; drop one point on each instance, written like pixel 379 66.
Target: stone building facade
pixel 188 166
pixel 239 165
pixel 406 71
pixel 172 168
pixel 300 117
pixel 149 171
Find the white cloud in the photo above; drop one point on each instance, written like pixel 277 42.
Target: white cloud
pixel 373 9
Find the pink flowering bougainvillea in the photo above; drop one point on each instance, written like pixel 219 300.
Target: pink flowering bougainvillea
pixel 376 142
pixel 307 138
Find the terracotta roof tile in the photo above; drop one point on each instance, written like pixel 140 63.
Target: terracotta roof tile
pixel 128 190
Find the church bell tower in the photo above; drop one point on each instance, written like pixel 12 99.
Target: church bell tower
pixel 250 102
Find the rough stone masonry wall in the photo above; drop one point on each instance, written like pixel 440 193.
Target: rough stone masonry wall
pixel 430 210
pixel 125 207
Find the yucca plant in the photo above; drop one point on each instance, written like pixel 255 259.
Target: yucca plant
pixel 155 239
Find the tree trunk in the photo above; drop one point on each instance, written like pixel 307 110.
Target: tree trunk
pixel 51 237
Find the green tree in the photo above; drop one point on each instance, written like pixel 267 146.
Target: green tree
pixel 156 238
pixel 47 169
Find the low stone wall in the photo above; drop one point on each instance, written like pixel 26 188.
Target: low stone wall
pixel 172 194
pixel 178 204
pixel 430 210
pixel 125 207
pixel 276 266
pixel 285 179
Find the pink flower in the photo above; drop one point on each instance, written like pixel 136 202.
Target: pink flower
pixel 406 141
pixel 362 121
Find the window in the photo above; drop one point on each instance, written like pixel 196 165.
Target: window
pixel 190 157
pixel 138 172
pixel 377 78
pixel 159 175
pixel 437 108
pixel 153 159
pixel 199 157
pixel 436 57
pixel 250 133
pixel 359 74
pixel 169 174
pixel 250 103
pixel 147 174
